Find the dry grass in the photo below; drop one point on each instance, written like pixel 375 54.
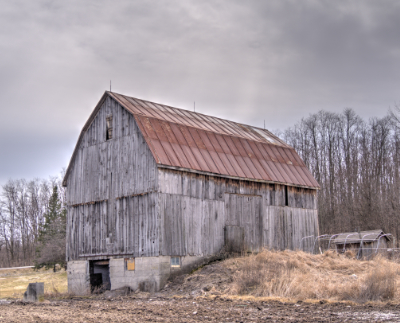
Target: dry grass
pixel 13 283
pixel 269 274
pixel 303 276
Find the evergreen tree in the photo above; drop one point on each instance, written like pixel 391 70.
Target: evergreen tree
pixel 51 248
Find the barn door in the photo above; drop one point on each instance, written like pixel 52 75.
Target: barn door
pixel 243 222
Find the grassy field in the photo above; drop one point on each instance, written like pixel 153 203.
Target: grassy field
pixel 13 283
pixel 272 274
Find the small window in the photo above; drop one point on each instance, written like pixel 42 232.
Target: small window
pixel 175 262
pixel 130 264
pixel 286 196
pixel 109 127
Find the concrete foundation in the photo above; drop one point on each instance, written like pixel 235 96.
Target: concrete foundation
pixel 150 274
pixel 78 277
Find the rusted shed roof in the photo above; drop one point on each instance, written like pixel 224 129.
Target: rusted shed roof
pixel 194 141
pixel 355 237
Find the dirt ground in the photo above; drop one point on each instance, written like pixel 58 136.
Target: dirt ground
pixel 200 309
pixel 202 296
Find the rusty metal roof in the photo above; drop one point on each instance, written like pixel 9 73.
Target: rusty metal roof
pixel 192 141
pixel 189 140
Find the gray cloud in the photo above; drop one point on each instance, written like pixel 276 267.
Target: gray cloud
pixel 242 60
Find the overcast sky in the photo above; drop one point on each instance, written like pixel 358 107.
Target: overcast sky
pixel 242 60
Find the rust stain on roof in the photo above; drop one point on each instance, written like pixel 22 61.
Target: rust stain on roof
pixel 190 140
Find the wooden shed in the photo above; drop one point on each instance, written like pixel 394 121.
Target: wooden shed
pixel 153 190
pixel 364 243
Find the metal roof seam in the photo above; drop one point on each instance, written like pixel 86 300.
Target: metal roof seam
pixel 244 151
pixel 211 164
pixel 231 153
pixel 160 140
pixel 197 116
pixel 177 143
pixel 194 148
pixel 185 145
pixel 182 117
pixel 189 117
pixel 253 170
pixel 227 163
pixel 204 122
pixel 161 114
pixel 131 106
pixel 148 139
pixel 241 161
pixel 246 145
pixel 272 160
pixel 142 107
pixel 254 147
pixel 218 163
pixel 211 143
pixel 296 176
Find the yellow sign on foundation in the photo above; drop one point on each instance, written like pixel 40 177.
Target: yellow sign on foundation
pixel 130 263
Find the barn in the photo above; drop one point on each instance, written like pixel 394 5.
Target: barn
pixel 153 191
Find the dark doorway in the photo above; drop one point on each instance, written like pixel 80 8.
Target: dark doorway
pixel 99 276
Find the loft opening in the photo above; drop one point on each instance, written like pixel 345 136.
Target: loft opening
pixel 286 196
pixel 109 127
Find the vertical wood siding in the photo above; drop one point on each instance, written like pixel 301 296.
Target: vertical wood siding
pixel 256 209
pixel 191 226
pixel 284 227
pixel 214 188
pixel 126 156
pixel 131 230
pixel 103 216
pixel 245 211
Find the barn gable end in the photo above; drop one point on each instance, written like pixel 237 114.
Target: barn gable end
pixel 106 179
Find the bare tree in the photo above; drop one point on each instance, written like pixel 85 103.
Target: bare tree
pixel 23 205
pixel 357 165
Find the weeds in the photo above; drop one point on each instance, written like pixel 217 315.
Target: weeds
pixel 379 284
pixel 304 276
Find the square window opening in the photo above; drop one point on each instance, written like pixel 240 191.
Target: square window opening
pixel 175 262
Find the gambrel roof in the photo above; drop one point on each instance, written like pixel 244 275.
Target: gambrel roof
pixel 191 141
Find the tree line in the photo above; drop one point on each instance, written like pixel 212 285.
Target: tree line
pixel 356 163
pixel 32 223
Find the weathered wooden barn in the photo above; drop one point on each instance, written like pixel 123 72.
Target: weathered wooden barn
pixel 153 190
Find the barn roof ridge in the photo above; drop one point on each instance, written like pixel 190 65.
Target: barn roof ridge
pixel 253 132
pixel 183 139
pixel 281 142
